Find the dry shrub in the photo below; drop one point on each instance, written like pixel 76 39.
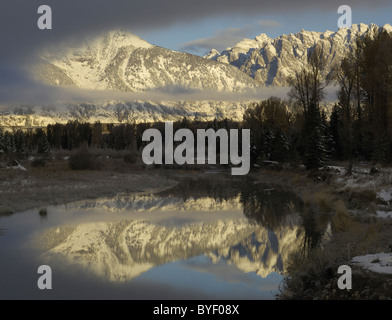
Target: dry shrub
pixel 361 239
pixel 341 220
pixel 130 158
pixel 363 195
pixel 304 268
pixel 38 162
pixel 324 201
pixel 81 159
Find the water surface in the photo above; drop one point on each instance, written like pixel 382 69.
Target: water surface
pixel 203 239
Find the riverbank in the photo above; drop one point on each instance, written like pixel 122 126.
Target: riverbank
pixel 55 183
pixel 352 212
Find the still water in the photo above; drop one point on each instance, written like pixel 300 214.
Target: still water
pixel 203 239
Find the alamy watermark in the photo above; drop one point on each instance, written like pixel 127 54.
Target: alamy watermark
pixel 45 281
pixel 345 280
pixel 164 152
pixel 345 21
pixel 45 20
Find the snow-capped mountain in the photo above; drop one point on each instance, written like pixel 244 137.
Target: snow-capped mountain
pixel 120 60
pixel 272 61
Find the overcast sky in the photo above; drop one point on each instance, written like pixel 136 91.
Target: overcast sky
pixel 192 26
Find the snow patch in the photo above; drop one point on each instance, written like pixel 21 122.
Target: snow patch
pixel 379 262
pixel 18 167
pixel 384 214
pixel 385 195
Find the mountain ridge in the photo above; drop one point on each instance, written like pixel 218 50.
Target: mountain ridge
pixel 119 60
pixel 271 61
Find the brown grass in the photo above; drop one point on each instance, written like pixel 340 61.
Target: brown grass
pixel 341 220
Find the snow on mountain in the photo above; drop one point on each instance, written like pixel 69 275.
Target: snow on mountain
pixel 121 112
pixel 121 251
pixel 141 232
pixel 120 60
pixel 145 203
pixel 272 61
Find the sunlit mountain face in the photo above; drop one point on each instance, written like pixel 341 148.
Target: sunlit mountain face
pixel 122 61
pixel 272 61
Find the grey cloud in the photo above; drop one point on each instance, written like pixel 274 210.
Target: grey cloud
pixel 229 37
pixel 29 93
pixel 220 41
pixel 20 35
pixel 269 23
pixel 32 93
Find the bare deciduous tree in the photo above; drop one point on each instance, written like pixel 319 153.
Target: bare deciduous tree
pixel 308 85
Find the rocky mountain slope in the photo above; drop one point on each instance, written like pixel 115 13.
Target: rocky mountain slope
pixel 272 61
pixel 119 60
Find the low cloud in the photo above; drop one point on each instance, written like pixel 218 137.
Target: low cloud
pixel 269 24
pixel 220 41
pixel 228 37
pixel 22 90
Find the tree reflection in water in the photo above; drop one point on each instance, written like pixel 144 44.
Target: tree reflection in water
pixel 274 207
pixel 268 206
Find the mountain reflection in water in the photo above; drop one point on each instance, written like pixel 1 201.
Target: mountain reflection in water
pixel 249 226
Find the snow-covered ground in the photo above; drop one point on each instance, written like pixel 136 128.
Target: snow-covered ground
pixel 384 214
pixel 378 262
pixel 361 179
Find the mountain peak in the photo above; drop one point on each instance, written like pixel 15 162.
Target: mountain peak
pixel 387 27
pixel 121 37
pixel 212 55
pixel 119 60
pixel 271 61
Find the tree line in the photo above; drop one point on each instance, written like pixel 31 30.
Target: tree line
pixel 72 135
pixel 296 129
pixel 359 126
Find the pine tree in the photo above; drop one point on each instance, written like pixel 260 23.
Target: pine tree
pixel 43 146
pixel 381 150
pixel 20 142
pixel 326 136
pixel 267 143
pixel 280 146
pixel 314 147
pixel 96 139
pixel 335 131
pixel 2 141
pixel 9 143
